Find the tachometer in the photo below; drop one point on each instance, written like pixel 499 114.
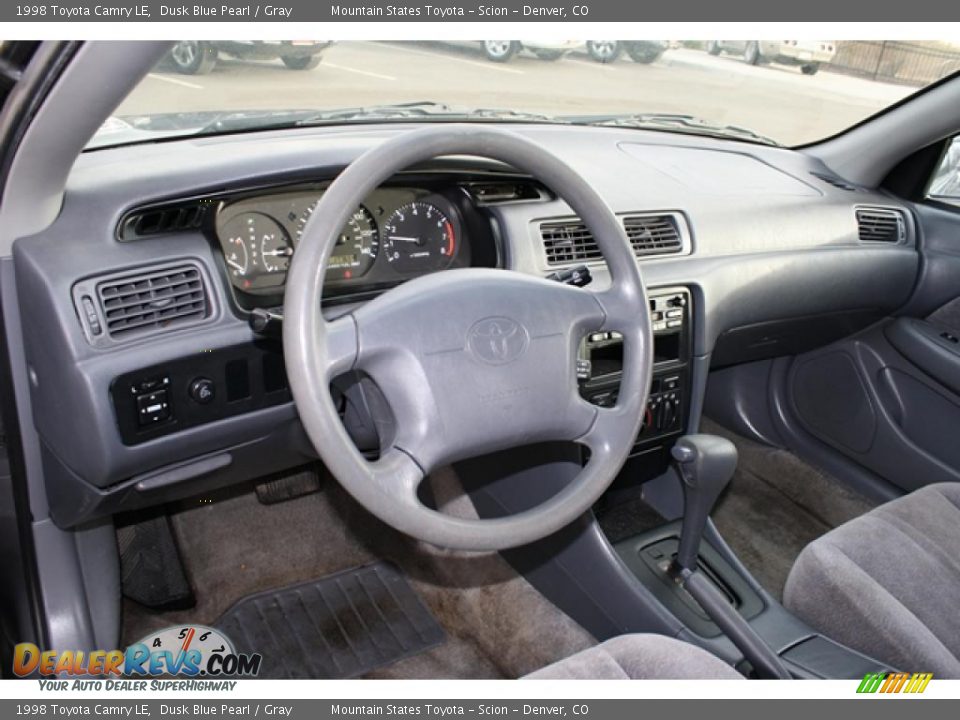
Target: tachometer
pixel 419 237
pixel 357 245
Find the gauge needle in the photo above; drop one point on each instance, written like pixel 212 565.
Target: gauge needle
pixel 401 238
pixel 282 251
pixel 234 263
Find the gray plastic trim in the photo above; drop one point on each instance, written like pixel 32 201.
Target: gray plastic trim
pixel 97 79
pixel 867 153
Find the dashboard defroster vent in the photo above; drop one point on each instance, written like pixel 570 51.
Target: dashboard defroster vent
pixel 569 241
pixel 836 182
pixel 153 301
pixel 875 224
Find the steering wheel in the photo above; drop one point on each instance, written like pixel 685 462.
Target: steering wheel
pixel 470 360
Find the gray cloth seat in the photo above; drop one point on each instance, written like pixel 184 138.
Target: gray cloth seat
pixel 639 657
pixel 888 582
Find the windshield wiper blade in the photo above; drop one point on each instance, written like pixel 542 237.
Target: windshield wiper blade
pixel 675 122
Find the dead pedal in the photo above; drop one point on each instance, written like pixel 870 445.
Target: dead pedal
pixel 152 572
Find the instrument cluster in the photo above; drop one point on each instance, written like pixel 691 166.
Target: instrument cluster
pixel 396 234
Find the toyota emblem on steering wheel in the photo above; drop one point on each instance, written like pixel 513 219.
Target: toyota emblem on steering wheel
pixel 497 340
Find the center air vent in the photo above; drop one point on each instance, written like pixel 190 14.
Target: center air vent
pixel 876 224
pixel 135 305
pixel 569 241
pixel 653 234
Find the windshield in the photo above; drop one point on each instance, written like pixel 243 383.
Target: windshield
pixel 785 92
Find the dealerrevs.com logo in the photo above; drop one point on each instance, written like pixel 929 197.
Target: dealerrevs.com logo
pixel 192 651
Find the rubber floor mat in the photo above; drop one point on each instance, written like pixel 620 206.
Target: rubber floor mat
pixel 340 626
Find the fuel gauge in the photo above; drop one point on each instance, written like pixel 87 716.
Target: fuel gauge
pixel 257 251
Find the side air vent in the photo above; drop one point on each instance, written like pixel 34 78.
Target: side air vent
pixel 163 220
pixel 569 241
pixel 653 234
pixel 132 305
pixel 880 225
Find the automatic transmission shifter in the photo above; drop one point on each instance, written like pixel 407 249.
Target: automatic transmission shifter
pixel 706 463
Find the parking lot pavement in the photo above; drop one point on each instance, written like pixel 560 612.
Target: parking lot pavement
pixel 776 101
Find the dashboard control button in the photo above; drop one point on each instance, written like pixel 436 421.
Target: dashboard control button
pixel 92 320
pixel 157 382
pixel 153 408
pixel 202 391
pixel 584 369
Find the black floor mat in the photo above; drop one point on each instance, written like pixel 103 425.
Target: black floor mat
pixel 340 626
pixel 150 565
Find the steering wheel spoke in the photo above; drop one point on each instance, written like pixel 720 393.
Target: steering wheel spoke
pixel 341 345
pixel 610 431
pixel 398 476
pixel 621 309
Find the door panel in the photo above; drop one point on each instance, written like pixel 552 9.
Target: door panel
pixel 870 403
pixel 889 398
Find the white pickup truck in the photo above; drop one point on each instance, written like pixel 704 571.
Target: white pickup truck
pixel 808 54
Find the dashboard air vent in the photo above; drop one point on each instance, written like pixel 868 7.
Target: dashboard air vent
pixel 653 234
pixel 570 242
pixel 507 191
pixel 880 225
pixel 163 219
pixel 152 301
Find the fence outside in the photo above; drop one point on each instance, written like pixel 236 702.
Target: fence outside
pixel 906 63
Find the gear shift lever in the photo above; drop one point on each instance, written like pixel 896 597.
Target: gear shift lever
pixel 706 463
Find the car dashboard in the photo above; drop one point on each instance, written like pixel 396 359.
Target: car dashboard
pixel 148 382
pixel 412 226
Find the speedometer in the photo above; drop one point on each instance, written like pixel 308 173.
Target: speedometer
pixel 356 248
pixel 419 237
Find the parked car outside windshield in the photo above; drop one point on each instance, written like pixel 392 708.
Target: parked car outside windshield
pixel 776 92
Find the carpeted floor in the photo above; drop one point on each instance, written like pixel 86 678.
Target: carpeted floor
pixel 497 624
pixel 775 505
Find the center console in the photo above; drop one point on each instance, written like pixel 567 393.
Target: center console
pixel 600 365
